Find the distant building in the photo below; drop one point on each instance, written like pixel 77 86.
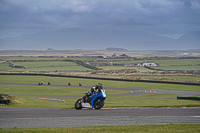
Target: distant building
pixel 146 63
pixel 185 53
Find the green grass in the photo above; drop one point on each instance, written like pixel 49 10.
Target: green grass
pixel 167 128
pixel 92 82
pixel 45 64
pixel 178 62
pixel 178 68
pixel 186 78
pixel 173 64
pixel 150 100
pixel 66 68
pixel 147 100
pixel 11 58
pixel 141 69
pixel 125 61
pixel 48 65
pixel 49 90
pixel 2 58
pixel 169 62
pixel 60 69
pixel 30 102
pixel 4 66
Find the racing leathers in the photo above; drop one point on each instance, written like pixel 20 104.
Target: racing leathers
pixel 89 95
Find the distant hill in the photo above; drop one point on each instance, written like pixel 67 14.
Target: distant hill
pixel 116 49
pixel 75 38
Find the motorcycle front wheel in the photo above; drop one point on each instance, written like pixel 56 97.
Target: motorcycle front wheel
pixel 99 103
pixel 78 105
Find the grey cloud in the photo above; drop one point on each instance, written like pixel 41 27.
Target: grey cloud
pixel 195 4
pixel 88 13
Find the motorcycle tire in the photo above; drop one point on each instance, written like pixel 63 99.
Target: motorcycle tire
pixel 98 104
pixel 78 105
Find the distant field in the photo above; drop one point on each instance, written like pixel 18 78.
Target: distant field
pixel 141 69
pixel 173 64
pixel 4 66
pixel 179 68
pixel 11 58
pixel 45 66
pixel 56 64
pixel 179 62
pixel 168 62
pixel 2 58
pixel 186 78
pixel 50 69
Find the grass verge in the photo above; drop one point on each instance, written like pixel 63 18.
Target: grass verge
pixel 148 100
pixel 168 128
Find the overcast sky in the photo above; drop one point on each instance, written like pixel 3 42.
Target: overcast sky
pixel 163 17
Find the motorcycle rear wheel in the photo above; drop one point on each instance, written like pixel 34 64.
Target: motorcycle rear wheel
pixel 98 104
pixel 78 105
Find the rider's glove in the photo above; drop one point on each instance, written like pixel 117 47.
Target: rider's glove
pixel 89 93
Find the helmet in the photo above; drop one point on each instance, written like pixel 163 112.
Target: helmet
pixel 100 86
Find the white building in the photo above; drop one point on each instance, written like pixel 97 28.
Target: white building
pixel 146 63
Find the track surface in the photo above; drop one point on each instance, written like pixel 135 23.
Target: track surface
pixel 32 117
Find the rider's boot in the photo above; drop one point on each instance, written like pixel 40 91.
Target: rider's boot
pixel 89 99
pixel 84 99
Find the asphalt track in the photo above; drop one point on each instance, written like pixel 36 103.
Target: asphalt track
pixel 36 118
pixel 40 117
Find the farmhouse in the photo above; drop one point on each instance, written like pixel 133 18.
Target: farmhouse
pixel 146 63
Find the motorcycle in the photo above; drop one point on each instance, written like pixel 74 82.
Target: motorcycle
pixel 96 101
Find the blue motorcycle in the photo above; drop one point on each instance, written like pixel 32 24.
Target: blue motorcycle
pixel 96 101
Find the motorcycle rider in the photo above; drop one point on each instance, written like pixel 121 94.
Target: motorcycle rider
pixel 97 88
pixel 92 92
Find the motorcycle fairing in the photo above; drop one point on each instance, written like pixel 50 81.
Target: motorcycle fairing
pixel 101 95
pixel 86 105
